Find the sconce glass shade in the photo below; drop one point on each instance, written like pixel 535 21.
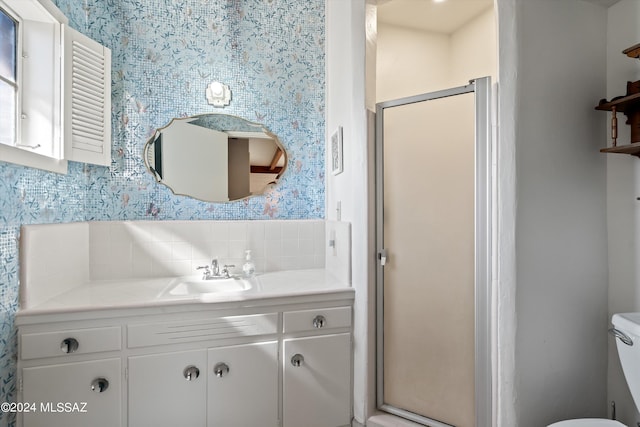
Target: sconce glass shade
pixel 218 94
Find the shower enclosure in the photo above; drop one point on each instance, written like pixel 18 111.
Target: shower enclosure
pixel 433 193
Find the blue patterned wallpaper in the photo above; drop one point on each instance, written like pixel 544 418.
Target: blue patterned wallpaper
pixel 164 54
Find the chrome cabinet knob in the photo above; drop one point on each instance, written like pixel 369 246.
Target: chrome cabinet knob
pixel 190 373
pixel 99 385
pixel 69 345
pixel 221 369
pixel 319 321
pixel 297 360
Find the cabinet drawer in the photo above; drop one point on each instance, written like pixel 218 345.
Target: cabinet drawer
pixel 75 341
pixel 148 334
pixel 312 320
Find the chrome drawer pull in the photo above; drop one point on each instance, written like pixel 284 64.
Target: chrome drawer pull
pixel 319 321
pixel 99 385
pixel 69 345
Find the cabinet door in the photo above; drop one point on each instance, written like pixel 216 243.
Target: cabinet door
pixel 74 394
pixel 168 389
pixel 317 381
pixel 243 385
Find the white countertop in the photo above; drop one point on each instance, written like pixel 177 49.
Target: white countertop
pixel 266 289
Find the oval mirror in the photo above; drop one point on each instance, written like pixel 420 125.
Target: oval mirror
pixel 215 157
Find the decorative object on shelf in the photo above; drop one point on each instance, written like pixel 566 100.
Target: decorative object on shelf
pixel 218 94
pixel 628 104
pixel 614 127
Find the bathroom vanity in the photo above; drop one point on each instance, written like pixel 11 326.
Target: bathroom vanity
pixel 272 350
pixel 263 358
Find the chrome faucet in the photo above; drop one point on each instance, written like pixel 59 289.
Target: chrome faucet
pixel 214 272
pixel 215 267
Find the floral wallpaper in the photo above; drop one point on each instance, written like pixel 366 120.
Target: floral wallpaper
pixel 164 54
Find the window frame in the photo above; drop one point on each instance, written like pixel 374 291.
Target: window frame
pixel 22 154
pixel 18 71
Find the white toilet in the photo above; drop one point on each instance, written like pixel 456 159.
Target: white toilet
pixel 626 328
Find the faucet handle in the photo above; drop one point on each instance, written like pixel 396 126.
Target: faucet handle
pixel 225 269
pixel 207 271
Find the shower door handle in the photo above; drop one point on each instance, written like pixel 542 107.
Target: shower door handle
pixel 382 257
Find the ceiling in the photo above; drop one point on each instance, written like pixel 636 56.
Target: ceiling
pixel 445 17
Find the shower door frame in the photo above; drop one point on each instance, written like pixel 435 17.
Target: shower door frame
pixel 482 247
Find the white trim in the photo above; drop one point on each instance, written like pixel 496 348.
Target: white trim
pixel 23 157
pixel 53 10
pixel 38 20
pixel 18 71
pixel 40 141
pixel 87 132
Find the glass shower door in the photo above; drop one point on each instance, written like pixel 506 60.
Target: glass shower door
pixel 427 241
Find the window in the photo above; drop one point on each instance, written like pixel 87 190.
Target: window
pixel 8 78
pixel 43 62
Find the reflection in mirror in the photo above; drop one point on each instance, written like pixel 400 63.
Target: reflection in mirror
pixel 215 157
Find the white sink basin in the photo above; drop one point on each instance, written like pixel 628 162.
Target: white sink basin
pixel 193 287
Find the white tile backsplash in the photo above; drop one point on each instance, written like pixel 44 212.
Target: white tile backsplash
pixel 57 260
pixel 123 249
pixel 305 231
pixel 290 230
pixel 57 257
pixel 273 230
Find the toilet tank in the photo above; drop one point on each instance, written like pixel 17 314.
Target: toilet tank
pixel 629 325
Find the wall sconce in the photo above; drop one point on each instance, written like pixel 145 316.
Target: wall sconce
pixel 218 94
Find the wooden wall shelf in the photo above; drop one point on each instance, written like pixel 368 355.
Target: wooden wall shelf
pixel 633 51
pixel 633 149
pixel 629 104
pixel 622 103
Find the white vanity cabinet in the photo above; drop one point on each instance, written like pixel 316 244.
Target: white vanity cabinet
pixel 70 376
pixel 168 389
pixel 226 386
pixel 317 368
pixel 73 394
pixel 317 381
pixel 243 385
pixel 283 362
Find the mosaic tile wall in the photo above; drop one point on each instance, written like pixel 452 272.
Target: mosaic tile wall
pixel 164 54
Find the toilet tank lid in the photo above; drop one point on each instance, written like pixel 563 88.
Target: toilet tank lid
pixel 628 322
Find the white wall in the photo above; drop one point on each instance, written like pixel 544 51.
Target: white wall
pixel 410 62
pixel 345 106
pixel 504 204
pixel 474 49
pixel 623 180
pixel 560 235
pixel 552 283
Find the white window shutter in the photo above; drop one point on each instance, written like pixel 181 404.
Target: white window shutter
pixel 87 99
